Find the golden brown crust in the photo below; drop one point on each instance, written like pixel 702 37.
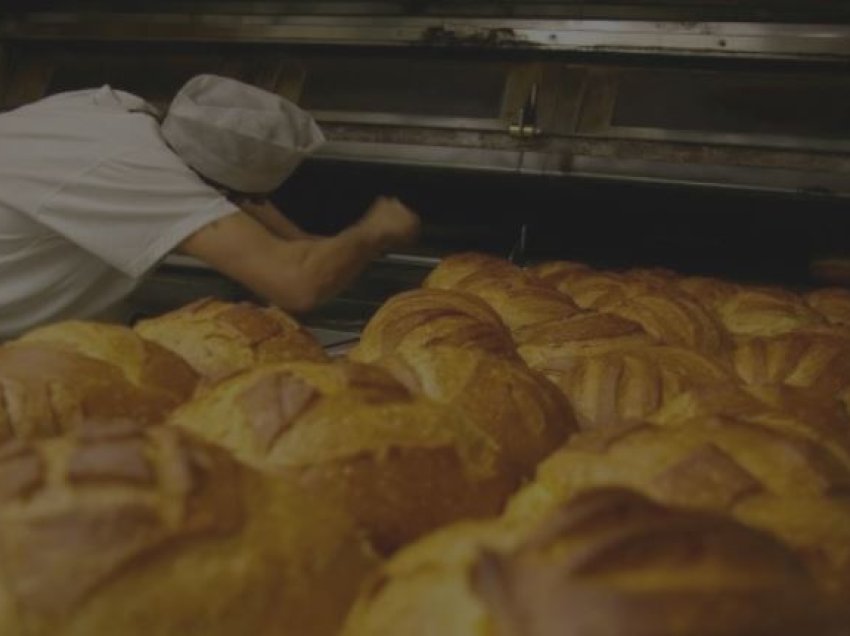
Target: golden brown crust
pixel 424 318
pixel 118 528
pixel 832 303
pixel 144 363
pixel 47 389
pixel 798 411
pixel 84 507
pixel 557 342
pixel 518 297
pixel 454 271
pixel 520 409
pixel 219 339
pixel 765 311
pixel 818 361
pixel 710 292
pixel 629 384
pixel 400 465
pixel 673 319
pixel 611 562
pixel 608 562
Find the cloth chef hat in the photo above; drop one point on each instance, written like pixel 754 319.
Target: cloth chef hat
pixel 238 135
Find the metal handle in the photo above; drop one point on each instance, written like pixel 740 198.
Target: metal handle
pixel 410 259
pixel 526 123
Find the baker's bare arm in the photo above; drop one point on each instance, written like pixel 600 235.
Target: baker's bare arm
pixel 299 274
pixel 268 215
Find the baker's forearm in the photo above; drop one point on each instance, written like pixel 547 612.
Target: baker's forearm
pixel 328 265
pixel 268 215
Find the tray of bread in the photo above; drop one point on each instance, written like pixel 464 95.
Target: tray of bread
pixel 555 450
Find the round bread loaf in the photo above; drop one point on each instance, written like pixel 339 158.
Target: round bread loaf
pixel 552 271
pixel 519 303
pixel 590 290
pixel 629 384
pixel 817 528
pixel 431 317
pixel 798 411
pixel 661 277
pixel 708 463
pixel 672 318
pixel 608 562
pixel 765 311
pixel 219 339
pixel 47 387
pixel 832 303
pixel 146 364
pixel 815 360
pixel 454 270
pixel 558 342
pixel 710 292
pixel 517 297
pixel 402 466
pixel 147 532
pixel 520 409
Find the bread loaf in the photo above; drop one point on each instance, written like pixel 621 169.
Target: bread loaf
pixel 557 343
pixel 758 311
pixel 608 562
pixel 817 528
pixel 517 297
pixel 672 318
pixel 709 463
pixel 455 270
pixel 520 409
pixel 629 384
pixel 400 465
pixel 590 290
pixel 798 411
pixel 47 387
pixel 819 361
pixel 710 292
pixel 146 364
pixel 219 339
pixel 832 303
pixel 433 317
pixel 118 530
pixel 723 465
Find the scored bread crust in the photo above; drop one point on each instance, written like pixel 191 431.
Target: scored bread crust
pixel 148 532
pixel 219 339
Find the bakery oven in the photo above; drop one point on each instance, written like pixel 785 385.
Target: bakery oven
pixel 705 136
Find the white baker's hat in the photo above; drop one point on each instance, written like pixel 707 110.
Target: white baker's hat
pixel 238 135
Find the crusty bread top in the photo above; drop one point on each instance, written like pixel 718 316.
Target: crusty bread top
pixel 630 383
pixel 48 388
pixel 219 339
pixel 610 562
pixel 831 303
pixel 144 363
pixel 77 510
pixel 433 317
pixel 811 359
pixel 456 270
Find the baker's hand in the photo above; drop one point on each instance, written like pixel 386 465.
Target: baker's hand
pixel 392 222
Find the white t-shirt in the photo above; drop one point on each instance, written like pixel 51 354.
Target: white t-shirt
pixel 91 198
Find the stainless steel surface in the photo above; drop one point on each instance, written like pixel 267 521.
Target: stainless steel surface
pixel 692 38
pixel 566 164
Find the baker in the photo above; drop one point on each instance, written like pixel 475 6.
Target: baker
pixel 96 189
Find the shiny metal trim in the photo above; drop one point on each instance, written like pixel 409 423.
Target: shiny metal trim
pixel 748 39
pixel 564 164
pixel 435 156
pixel 758 178
pixel 418 121
pixel 807 144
